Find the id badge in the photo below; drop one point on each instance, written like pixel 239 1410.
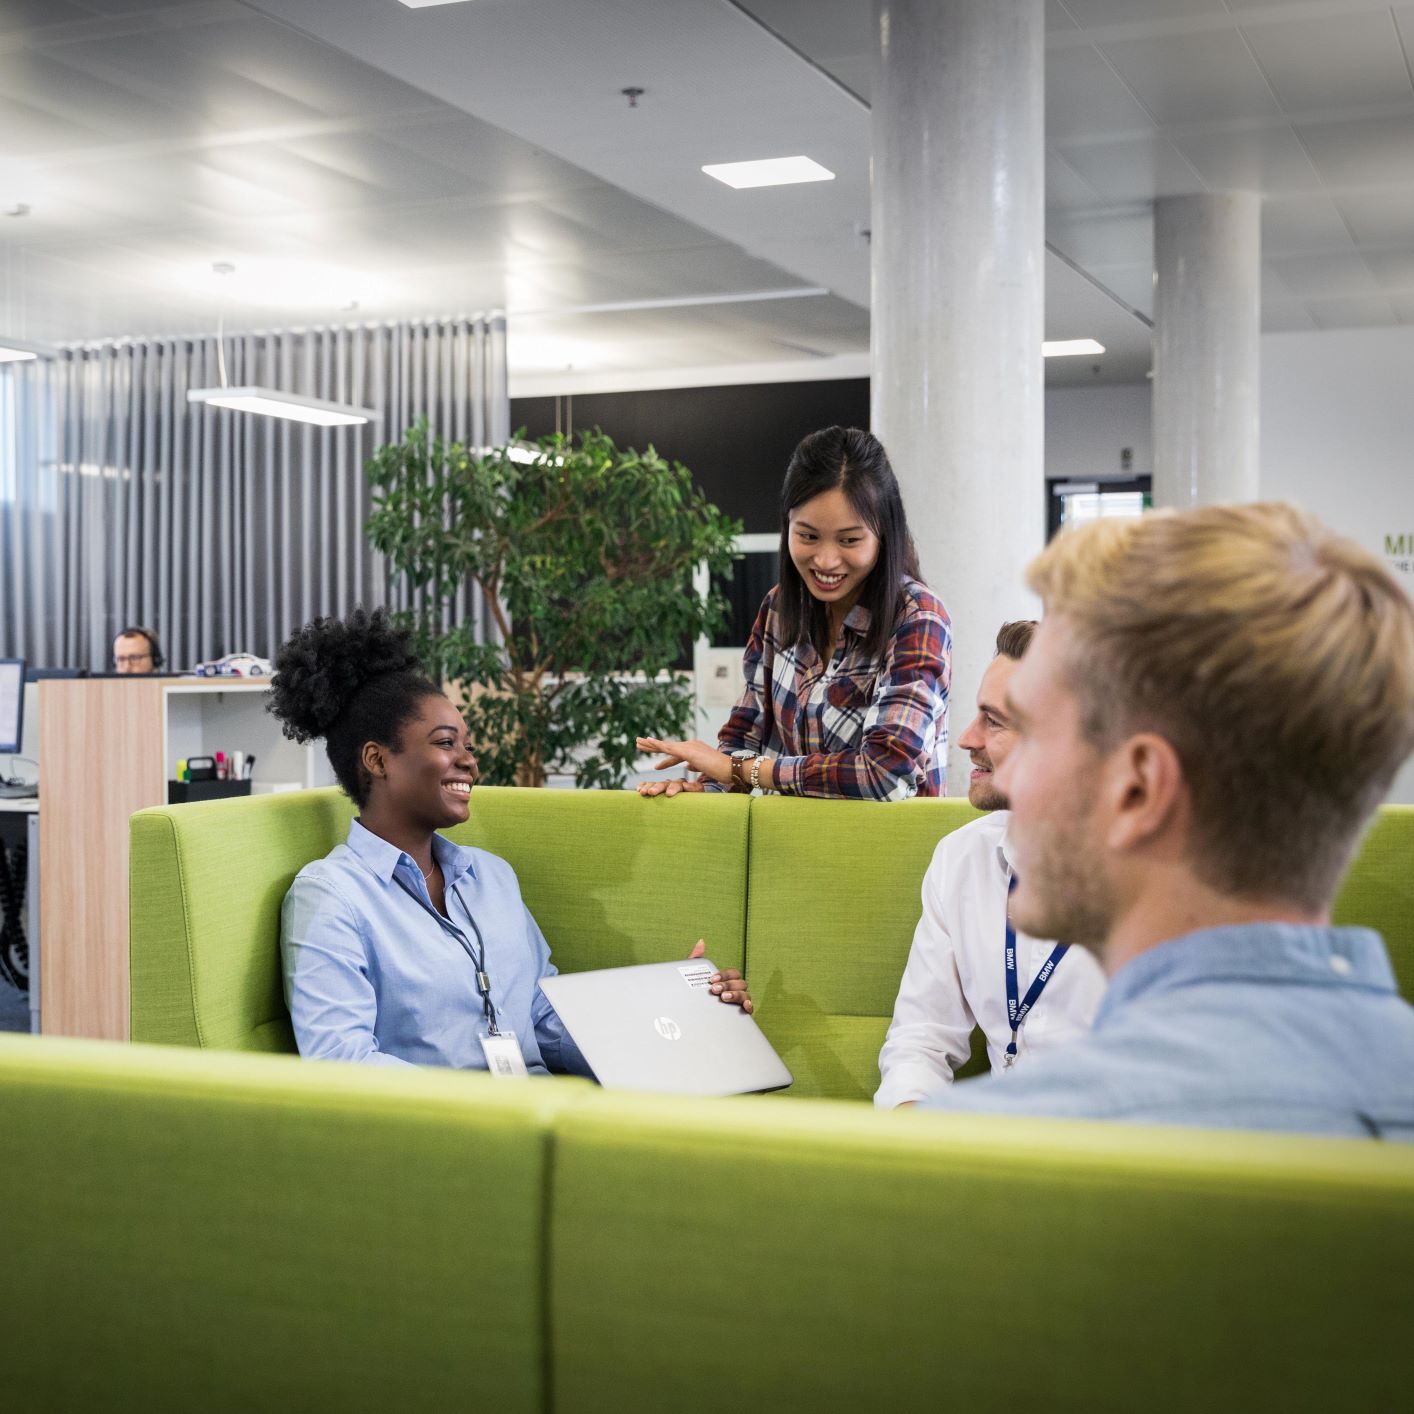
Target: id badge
pixel 503 1057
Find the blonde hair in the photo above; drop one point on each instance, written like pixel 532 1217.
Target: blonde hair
pixel 1275 656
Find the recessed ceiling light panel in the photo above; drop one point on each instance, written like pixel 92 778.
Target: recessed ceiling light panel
pixel 1069 348
pixel 270 402
pixel 769 172
pixel 428 4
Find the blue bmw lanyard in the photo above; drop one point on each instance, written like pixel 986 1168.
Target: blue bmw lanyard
pixel 1017 1012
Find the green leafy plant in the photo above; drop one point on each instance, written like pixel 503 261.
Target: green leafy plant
pixel 585 554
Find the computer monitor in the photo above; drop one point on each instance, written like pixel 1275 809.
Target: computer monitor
pixel 12 705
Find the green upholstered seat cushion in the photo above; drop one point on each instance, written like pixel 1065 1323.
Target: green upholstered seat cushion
pixel 611 878
pixel 229 1232
pixel 826 1257
pixel 832 902
pixel 1378 891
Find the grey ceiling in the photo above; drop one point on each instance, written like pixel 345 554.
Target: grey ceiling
pixel 469 156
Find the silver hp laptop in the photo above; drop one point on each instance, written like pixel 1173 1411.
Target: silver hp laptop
pixel 658 1027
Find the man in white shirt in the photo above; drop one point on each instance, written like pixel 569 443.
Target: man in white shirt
pixel 957 975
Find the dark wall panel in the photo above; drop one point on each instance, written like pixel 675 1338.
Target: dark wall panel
pixel 736 441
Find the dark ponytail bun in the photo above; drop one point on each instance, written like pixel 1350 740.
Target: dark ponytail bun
pixel 349 681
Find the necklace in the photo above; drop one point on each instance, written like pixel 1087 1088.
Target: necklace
pixel 428 873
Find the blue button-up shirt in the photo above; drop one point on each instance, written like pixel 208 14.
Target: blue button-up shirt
pixel 374 973
pixel 1260 1026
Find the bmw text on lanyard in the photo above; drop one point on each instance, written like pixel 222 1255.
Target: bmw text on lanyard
pixel 1017 1012
pixel 477 956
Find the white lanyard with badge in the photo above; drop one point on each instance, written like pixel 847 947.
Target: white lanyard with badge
pixel 1017 1011
pixel 501 1048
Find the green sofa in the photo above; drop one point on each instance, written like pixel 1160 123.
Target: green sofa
pixel 189 1227
pixel 817 899
pixel 207 1230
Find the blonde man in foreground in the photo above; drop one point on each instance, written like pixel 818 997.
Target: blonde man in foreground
pixel 1212 708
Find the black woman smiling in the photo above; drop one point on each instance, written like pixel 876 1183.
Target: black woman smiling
pixel 399 946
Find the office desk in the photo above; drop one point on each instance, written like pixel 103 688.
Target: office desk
pixel 19 827
pixel 147 724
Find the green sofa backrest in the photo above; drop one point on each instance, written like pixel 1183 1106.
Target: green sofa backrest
pixel 1378 891
pixel 832 903
pixel 792 1257
pixel 209 1231
pixel 610 880
pixel 220 1232
pixel 820 897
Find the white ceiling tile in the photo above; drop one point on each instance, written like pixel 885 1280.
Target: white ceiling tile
pixel 821 28
pixel 1359 312
pixel 19 15
pixel 1379 217
pixel 1393 269
pixel 1107 240
pixel 495 158
pixel 1065 187
pixel 1333 62
pixel 1084 96
pixel 857 72
pixel 1134 284
pixel 1404 307
pixel 1122 12
pixel 1285 316
pixel 1250 159
pixel 1190 78
pixel 1273 286
pixel 1311 277
pixel 1366 152
pixel 1303 224
pixel 383 171
pixel 1057 21
pixel 1133 169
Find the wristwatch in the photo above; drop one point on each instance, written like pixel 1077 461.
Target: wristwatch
pixel 739 758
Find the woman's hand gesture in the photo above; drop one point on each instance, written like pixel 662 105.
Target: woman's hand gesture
pixel 696 755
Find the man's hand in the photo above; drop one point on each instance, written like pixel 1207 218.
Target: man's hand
pixel 728 985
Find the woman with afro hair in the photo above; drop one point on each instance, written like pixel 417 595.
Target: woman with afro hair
pixel 399 946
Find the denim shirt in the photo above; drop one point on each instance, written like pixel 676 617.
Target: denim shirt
pixel 374 973
pixel 1260 1026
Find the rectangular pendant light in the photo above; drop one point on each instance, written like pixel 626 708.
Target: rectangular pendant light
pixel 269 402
pixel 22 351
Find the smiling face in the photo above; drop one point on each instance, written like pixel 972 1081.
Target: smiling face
pixel 427 777
pixel 989 737
pixel 832 548
pixel 1052 777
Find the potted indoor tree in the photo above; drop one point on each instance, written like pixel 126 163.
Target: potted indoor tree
pixel 585 555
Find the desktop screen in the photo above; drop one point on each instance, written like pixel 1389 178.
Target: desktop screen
pixel 12 704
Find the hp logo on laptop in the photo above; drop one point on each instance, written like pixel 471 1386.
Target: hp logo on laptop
pixel 667 1028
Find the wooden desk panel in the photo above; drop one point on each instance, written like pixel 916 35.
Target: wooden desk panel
pixel 101 759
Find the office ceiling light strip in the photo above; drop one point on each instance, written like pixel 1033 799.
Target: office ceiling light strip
pixel 23 351
pixel 270 402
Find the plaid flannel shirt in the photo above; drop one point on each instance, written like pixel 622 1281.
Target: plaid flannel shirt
pixel 856 728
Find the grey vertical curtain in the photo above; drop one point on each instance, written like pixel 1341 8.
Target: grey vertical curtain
pixel 222 531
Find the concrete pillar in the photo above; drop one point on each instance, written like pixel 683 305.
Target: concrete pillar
pixel 1207 326
pixel 958 235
